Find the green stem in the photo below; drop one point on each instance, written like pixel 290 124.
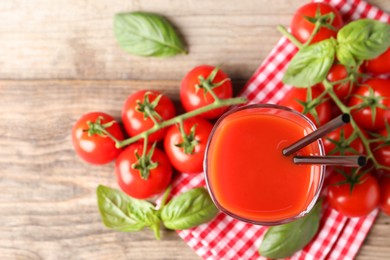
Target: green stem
pixel 387 168
pixel 329 90
pixel 144 149
pixel 103 130
pixel 156 230
pixel 366 142
pixel 176 120
pixel 206 85
pixel 182 132
pixel 289 36
pixel 341 81
pixel 165 196
pixel 322 95
pixel 375 140
pixel 150 114
pixel 317 27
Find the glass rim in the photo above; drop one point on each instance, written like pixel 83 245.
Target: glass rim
pixel 321 167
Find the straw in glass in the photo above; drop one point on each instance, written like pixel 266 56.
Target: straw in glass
pixel 318 133
pixel 347 161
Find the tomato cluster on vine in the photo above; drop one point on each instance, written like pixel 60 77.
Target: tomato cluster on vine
pixel 144 167
pixel 363 91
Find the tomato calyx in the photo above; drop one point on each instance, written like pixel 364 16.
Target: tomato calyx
pixel 320 20
pixel 352 79
pixel 208 85
pixel 343 145
pixel 189 140
pixel 149 108
pixel 309 106
pixel 144 162
pixel 324 20
pixel 97 128
pixel 353 179
pixel 371 101
pixel 382 140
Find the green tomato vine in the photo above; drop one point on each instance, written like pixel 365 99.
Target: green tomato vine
pixel 144 161
pixel 353 75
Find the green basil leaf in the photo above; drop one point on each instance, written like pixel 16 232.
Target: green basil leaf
pixel 143 212
pixel 362 39
pixel 188 210
pixel 345 56
pixel 121 212
pixel 311 64
pixel 147 34
pixel 284 240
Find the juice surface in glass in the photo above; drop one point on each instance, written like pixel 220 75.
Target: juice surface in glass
pixel 248 176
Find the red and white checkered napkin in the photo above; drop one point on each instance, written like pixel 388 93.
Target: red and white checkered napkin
pixel 339 237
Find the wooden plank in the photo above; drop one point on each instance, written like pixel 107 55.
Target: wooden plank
pixel 47 202
pixel 42 39
pixel 71 39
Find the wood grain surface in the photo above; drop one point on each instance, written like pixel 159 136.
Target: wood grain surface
pixel 59 59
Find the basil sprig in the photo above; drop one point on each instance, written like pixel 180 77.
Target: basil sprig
pixel 361 40
pixel 188 210
pixel 124 213
pixel 284 240
pixel 311 64
pixel 147 34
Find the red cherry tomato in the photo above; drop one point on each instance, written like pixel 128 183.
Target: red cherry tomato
pixel 364 117
pixel 136 121
pixel 96 148
pixel 193 95
pixel 338 142
pixel 335 110
pixel 296 95
pixel 302 28
pixel 182 161
pixel 379 65
pixel 382 152
pixel 129 178
pixel 336 73
pixel 384 184
pixel 363 199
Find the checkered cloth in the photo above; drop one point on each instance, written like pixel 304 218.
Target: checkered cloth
pixel 339 237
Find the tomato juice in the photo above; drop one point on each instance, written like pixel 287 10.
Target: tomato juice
pixel 248 176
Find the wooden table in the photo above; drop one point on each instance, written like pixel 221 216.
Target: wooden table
pixel 59 59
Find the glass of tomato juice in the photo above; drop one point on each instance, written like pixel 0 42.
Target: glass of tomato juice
pixel 246 173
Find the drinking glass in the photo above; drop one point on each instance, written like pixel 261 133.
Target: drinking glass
pixel 246 173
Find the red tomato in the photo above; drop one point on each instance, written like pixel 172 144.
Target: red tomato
pixel 338 143
pixel 363 199
pixel 293 98
pixel 130 180
pixel 182 161
pixel 339 72
pixel 192 94
pixel 136 121
pixel 384 184
pixel 364 117
pixel 382 152
pixel 96 148
pixel 302 28
pixel 379 65
pixel 335 110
